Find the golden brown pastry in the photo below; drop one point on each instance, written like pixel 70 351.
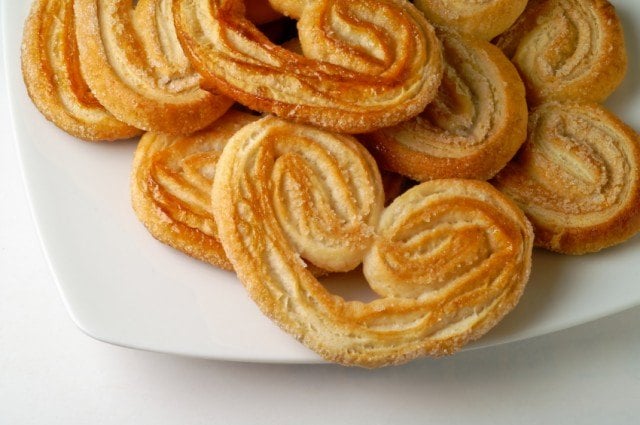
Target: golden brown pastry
pixel 52 75
pixel 291 8
pixel 283 190
pixel 134 65
pixel 171 186
pixel 369 64
pixel 479 18
pixel 326 193
pixel 474 126
pixel 452 257
pixel 577 178
pixel 567 50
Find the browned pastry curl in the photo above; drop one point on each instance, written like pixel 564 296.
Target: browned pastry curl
pixel 134 65
pixel 52 75
pixel 370 63
pixel 474 126
pixel 449 258
pixel 171 186
pixel 577 178
pixel 484 19
pixel 291 8
pixel 567 50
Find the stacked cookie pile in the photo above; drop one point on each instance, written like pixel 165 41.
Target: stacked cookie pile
pixel 249 160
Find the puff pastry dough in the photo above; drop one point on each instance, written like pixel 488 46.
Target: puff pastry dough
pixel 370 64
pixel 135 66
pixel 462 248
pixel 474 126
pixel 291 8
pixel 577 178
pixel 171 186
pixel 567 50
pixel 51 72
pixel 480 18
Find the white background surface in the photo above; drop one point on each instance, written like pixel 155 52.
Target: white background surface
pixel 51 373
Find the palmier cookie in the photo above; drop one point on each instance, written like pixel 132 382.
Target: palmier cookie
pixel 460 250
pixel 484 19
pixel 52 75
pixel 577 178
pixel 171 186
pixel 135 66
pixel 370 63
pixel 474 126
pixel 567 50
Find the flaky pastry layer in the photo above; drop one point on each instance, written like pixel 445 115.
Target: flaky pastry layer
pixel 368 64
pixel 577 178
pixel 171 186
pixel 134 65
pixel 567 50
pixel 460 249
pixel 474 126
pixel 484 19
pixel 51 71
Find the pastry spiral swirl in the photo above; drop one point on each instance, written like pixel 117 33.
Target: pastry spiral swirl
pixel 51 72
pixel 474 126
pixel 171 186
pixel 567 50
pixel 135 66
pixel 577 178
pixel 291 8
pixel 370 64
pixel 484 19
pixel 264 178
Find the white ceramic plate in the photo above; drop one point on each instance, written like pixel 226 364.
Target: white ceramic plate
pixel 123 287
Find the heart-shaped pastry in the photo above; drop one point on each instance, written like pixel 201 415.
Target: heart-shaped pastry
pixel 449 258
pixel 368 64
